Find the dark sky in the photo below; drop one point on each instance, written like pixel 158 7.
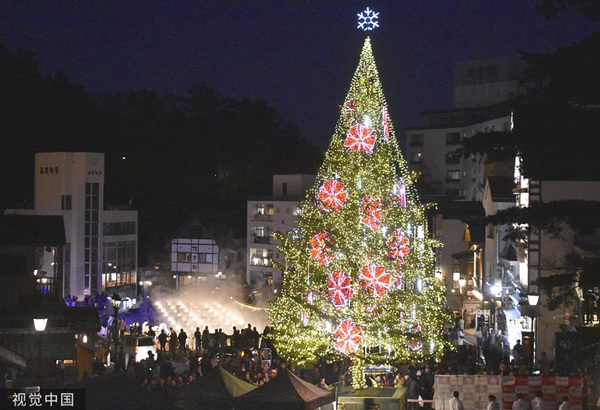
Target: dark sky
pixel 297 55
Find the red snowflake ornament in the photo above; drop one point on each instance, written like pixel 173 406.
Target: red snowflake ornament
pixel 340 290
pixel 370 211
pixel 386 124
pixel 374 278
pixel 332 195
pixel 320 248
pixel 348 337
pixel 360 139
pixel 398 246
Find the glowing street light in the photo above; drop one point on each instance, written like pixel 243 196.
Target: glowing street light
pixel 40 326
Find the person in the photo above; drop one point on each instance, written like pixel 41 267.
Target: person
pixel 520 403
pixel 517 352
pixel 412 391
pixel 182 342
pixel 565 403
pixel 172 343
pixel 122 327
pixel 162 340
pixel 428 381
pixel 205 338
pixel 198 339
pixel 538 401
pixel 493 403
pixel 322 384
pixel 455 402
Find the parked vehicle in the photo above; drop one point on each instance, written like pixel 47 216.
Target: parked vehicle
pixel 138 347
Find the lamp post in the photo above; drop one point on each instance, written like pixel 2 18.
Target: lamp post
pixel 40 326
pixel 533 299
pixel 116 302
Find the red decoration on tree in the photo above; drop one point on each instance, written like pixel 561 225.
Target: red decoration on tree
pixel 320 248
pixel 305 318
pixel 350 106
pixel 339 288
pixel 396 279
pixel 415 345
pixel 398 246
pixel 360 139
pixel 370 210
pixel 400 193
pixel 348 337
pixel 386 124
pixel 332 195
pixel 375 278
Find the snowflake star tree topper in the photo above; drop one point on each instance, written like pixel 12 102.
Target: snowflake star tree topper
pixel 367 20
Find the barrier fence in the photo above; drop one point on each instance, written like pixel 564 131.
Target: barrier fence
pixel 474 390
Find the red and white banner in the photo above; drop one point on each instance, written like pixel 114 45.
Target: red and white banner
pixel 474 390
pixel 553 388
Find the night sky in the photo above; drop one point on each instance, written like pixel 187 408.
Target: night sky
pixel 297 55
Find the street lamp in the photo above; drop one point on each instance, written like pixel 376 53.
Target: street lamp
pixel 116 302
pixel 533 299
pixel 40 326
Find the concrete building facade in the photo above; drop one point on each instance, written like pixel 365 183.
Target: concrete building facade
pixel 101 248
pixel 267 215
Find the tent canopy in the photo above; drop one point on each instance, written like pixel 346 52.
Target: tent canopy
pixel 216 389
pixel 286 391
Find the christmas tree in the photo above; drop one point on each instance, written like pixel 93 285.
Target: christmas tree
pixel 359 274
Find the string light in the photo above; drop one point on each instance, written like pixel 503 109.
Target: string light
pixel 350 237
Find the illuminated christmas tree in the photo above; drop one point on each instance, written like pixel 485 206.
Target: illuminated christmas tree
pixel 359 274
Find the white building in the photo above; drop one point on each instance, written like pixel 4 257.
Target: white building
pixel 267 215
pixel 194 255
pixel 101 249
pixel 482 91
pixel 546 251
pixel 479 83
pixel 431 151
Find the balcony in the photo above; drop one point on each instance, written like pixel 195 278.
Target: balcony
pixel 263 240
pixel 262 218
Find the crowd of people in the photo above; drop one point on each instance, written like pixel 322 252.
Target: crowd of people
pixel 183 358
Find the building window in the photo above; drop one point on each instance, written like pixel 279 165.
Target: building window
pixel 417 158
pixel 452 157
pixel 453 138
pixel 65 202
pixel 205 258
pixel 284 189
pixel 415 140
pixel 92 211
pixel 453 175
pixel 261 257
pixel 118 228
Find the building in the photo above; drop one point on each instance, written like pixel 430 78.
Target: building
pixel 432 151
pixel 460 259
pixel 194 254
pixel 101 241
pixel 267 215
pixel 31 266
pixel 547 255
pixel 480 83
pixel 483 90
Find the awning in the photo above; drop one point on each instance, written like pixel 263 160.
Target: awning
pixel 12 358
pixel 512 313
